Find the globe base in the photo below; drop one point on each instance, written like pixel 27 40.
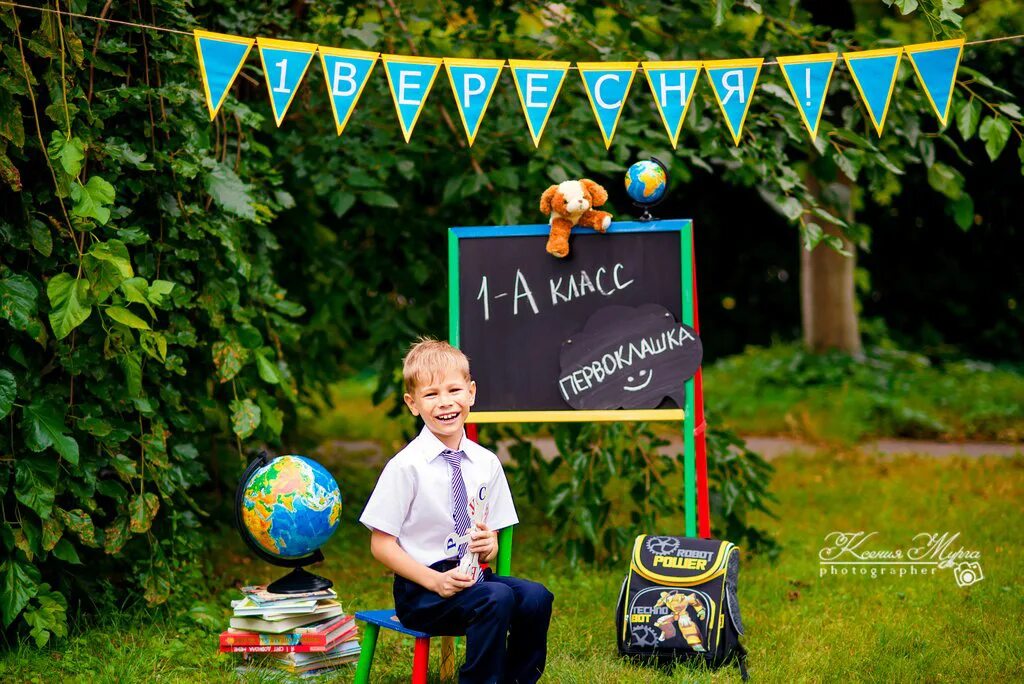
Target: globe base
pixel 646 216
pixel 299 581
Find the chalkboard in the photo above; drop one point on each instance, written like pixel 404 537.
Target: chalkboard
pixel 513 307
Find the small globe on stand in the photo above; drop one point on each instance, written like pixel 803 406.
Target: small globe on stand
pixel 647 185
pixel 286 509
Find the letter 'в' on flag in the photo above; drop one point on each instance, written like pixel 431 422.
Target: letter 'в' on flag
pixel 537 84
pixel 808 77
pixel 346 73
pixel 220 59
pixel 936 65
pixel 284 64
pixel 473 82
pixel 410 80
pixel 607 85
pixel 733 82
pixel 672 84
pixel 874 74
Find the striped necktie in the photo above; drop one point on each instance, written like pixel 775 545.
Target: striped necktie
pixel 460 513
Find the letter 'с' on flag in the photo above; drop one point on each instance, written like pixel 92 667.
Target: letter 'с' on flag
pixel 410 80
pixel 607 85
pixel 936 65
pixel 220 60
pixel 347 73
pixel 733 81
pixel 538 84
pixel 808 77
pixel 473 82
pixel 874 73
pixel 284 64
pixel 673 85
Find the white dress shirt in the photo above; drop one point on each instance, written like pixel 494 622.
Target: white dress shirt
pixel 413 497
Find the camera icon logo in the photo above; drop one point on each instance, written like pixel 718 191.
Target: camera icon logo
pixel 967 574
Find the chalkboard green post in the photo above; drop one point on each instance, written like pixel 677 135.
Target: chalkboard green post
pixel 689 447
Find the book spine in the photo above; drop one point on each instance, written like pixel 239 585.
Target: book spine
pixel 246 640
pixel 275 648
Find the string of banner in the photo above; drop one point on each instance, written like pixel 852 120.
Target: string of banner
pixel 607 84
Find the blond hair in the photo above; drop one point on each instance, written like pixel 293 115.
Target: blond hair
pixel 428 358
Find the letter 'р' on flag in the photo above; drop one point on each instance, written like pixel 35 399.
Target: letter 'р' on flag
pixel 936 65
pixel 473 82
pixel 808 77
pixel 537 84
pixel 607 85
pixel 284 64
pixel 874 74
pixel 733 81
pixel 221 57
pixel 347 73
pixel 410 79
pixel 672 84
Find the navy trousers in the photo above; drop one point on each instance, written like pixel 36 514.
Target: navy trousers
pixel 487 613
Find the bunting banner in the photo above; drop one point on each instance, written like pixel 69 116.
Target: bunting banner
pixel 473 83
pixel 346 73
pixel 607 85
pixel 537 84
pixel 221 57
pixel 410 80
pixel 808 77
pixel 672 84
pixel 874 73
pixel 284 63
pixel 936 65
pixel 733 81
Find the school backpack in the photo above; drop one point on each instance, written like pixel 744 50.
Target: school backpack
pixel 679 602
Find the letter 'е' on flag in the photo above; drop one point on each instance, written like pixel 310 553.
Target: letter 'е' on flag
pixel 284 64
pixel 220 59
pixel 672 84
pixel 936 65
pixel 607 85
pixel 537 84
pixel 874 74
pixel 346 73
pixel 410 80
pixel 808 77
pixel 733 81
pixel 473 82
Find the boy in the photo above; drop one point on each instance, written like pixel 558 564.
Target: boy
pixel 421 499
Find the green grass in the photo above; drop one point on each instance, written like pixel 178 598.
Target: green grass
pixel 799 625
pixel 782 390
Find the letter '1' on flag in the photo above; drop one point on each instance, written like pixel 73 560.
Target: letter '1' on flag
pixel 733 81
pixel 220 59
pixel 874 74
pixel 808 77
pixel 537 84
pixel 473 82
pixel 936 65
pixel 346 73
pixel 410 80
pixel 607 85
pixel 672 84
pixel 284 64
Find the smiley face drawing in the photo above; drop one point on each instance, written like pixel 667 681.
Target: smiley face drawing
pixel 644 377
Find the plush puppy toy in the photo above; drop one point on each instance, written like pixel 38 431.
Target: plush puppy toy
pixel 569 204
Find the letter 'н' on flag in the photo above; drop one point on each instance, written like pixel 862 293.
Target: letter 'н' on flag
pixel 874 74
pixel 220 60
pixel 808 77
pixel 673 85
pixel 733 81
pixel 410 80
pixel 607 85
pixel 537 84
pixel 473 82
pixel 346 73
pixel 936 65
pixel 284 64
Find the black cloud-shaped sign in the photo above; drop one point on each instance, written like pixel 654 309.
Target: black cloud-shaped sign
pixel 629 358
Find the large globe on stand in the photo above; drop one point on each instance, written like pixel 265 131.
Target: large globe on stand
pixel 646 184
pixel 286 509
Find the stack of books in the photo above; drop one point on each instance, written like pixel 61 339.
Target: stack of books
pixel 298 633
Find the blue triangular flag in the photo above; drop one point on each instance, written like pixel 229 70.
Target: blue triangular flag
pixel 733 82
pixel 284 64
pixel 473 82
pixel 936 65
pixel 808 77
pixel 346 72
pixel 410 80
pixel 672 84
pixel 874 74
pixel 537 84
pixel 221 57
pixel 607 85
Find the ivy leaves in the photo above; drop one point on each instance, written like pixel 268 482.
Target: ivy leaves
pixel 70 303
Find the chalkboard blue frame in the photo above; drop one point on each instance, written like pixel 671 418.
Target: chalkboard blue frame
pixel 682 226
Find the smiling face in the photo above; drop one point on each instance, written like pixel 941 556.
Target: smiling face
pixel 443 403
pixel 638 380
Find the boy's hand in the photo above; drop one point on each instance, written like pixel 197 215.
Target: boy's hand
pixel 483 541
pixel 452 582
